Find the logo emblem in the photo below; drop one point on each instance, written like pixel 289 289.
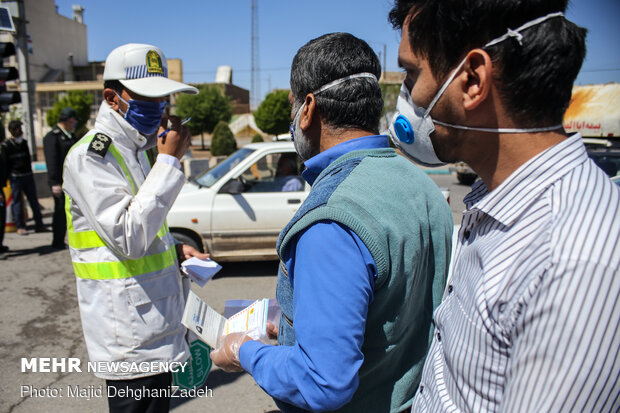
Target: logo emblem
pixel 153 63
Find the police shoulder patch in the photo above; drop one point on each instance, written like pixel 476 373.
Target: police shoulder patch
pixel 100 144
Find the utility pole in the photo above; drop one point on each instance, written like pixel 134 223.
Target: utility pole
pixel 384 59
pixel 24 78
pixel 255 86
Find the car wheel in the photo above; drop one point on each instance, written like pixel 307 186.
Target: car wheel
pixel 185 239
pixel 466 179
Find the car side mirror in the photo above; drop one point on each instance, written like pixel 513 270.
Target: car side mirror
pixel 233 187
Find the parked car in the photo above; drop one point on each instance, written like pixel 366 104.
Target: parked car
pixel 236 210
pixel 604 152
pixel 464 174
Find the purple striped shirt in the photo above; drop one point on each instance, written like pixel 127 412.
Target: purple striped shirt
pixel 530 319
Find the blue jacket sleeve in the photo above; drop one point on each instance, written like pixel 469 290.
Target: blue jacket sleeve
pixel 333 275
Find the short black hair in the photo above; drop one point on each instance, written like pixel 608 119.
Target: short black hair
pixel 115 85
pixel 534 79
pixel 67 113
pixel 14 125
pixel 354 104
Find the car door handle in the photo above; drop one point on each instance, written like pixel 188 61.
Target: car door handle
pixel 294 201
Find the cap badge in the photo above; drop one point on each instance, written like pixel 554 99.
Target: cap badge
pixel 153 63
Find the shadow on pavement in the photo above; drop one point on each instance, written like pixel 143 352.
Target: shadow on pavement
pixel 40 250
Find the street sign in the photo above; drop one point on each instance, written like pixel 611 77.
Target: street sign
pixel 198 367
pixel 6 22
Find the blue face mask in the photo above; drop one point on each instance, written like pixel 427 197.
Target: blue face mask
pixel 143 115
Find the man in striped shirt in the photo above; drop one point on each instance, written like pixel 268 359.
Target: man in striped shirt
pixel 530 319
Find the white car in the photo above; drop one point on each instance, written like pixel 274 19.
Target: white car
pixel 236 210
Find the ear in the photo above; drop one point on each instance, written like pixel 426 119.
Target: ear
pixel 111 99
pixel 477 78
pixel 307 113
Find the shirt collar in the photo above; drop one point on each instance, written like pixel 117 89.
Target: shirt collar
pixel 109 121
pixel 316 164
pixel 506 202
pixel 67 134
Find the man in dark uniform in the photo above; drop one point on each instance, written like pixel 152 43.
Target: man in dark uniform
pixel 17 155
pixel 56 145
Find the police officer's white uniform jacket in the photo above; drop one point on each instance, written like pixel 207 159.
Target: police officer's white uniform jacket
pixel 125 317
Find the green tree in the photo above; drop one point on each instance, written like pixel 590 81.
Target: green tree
pixel 274 114
pixel 257 138
pixel 78 100
pixel 223 142
pixel 207 108
pixel 390 96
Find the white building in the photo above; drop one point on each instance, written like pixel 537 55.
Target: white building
pixel 58 59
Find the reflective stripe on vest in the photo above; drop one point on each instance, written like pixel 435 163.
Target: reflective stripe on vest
pixel 90 239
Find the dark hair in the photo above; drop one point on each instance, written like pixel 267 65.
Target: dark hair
pixel 534 79
pixel 14 125
pixel 66 114
pixel 115 85
pixel 354 104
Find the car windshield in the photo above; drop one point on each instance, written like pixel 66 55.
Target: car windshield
pixel 211 176
pixel 608 161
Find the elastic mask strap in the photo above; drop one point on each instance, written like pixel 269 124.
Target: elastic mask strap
pixel 344 79
pixel 126 103
pixel 444 87
pixel 500 130
pixel 516 33
pixel 510 33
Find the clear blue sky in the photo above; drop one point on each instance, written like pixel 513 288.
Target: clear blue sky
pixel 208 33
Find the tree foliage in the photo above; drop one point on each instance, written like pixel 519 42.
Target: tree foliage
pixel 207 108
pixel 390 96
pixel 257 138
pixel 273 116
pixel 78 100
pixel 223 142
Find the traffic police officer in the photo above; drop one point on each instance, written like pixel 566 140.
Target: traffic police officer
pixel 56 145
pixel 130 290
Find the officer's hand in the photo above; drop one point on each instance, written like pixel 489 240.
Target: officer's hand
pixel 177 140
pixel 57 190
pixel 226 356
pixel 188 252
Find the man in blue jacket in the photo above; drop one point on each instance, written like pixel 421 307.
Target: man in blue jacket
pixel 364 260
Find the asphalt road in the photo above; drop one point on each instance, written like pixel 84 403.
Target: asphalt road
pixel 39 318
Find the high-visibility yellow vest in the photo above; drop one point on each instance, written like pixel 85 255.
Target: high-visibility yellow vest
pixel 81 240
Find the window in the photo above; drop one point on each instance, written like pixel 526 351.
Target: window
pixel 211 176
pixel 275 172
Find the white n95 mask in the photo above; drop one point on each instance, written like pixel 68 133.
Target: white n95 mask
pixel 411 130
pixel 412 125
